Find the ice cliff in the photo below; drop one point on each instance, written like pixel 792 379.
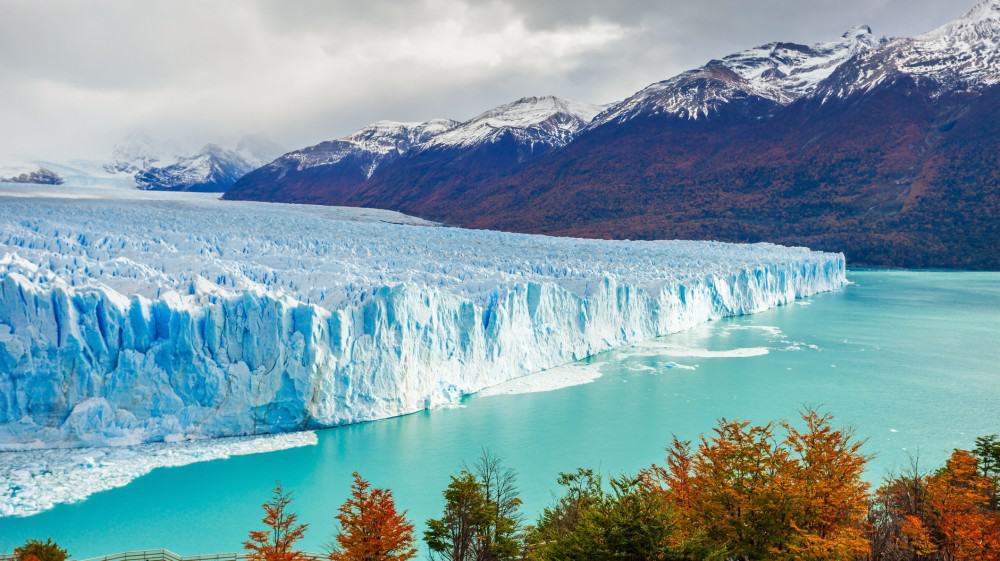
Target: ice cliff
pixel 127 320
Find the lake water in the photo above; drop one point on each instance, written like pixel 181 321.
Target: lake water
pixel 911 360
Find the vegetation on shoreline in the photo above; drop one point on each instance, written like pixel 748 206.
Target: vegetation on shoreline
pixel 741 493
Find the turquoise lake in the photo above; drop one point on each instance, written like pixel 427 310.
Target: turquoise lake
pixel 911 360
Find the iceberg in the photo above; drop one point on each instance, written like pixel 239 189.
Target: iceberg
pixel 163 317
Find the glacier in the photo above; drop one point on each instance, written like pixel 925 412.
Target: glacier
pixel 129 317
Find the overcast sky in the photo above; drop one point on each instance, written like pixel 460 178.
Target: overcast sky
pixel 76 77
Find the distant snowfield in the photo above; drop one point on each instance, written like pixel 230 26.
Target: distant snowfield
pixel 129 317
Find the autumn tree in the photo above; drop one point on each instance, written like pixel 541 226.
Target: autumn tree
pixel 959 503
pixel 948 515
pixel 744 494
pixel 831 498
pixel 277 541
pixel 37 550
pixel 895 526
pixel 370 528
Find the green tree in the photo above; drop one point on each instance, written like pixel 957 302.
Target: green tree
pixel 457 535
pixel 987 454
pixel 501 537
pixel 631 522
pixel 37 550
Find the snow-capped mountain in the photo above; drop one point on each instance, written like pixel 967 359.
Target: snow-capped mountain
pixel 853 144
pixel 339 171
pixel 961 55
pixel 367 148
pixel 772 74
pixel 213 169
pixel 547 121
pixel 135 153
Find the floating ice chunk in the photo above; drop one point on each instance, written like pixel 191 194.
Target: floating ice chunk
pixel 547 380
pixel 37 480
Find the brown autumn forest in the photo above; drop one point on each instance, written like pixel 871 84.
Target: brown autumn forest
pixel 779 491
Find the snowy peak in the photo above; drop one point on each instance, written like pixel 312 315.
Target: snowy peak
pixel 776 72
pixel 212 169
pixel 961 55
pixel 546 120
pixel 369 147
pixel 549 121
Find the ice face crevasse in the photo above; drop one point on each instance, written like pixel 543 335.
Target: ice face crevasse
pixel 134 321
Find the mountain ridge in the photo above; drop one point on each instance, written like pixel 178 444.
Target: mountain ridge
pixel 881 148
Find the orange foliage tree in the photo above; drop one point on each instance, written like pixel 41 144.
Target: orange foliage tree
pixel 370 527
pixel 744 494
pixel 959 503
pixel 277 542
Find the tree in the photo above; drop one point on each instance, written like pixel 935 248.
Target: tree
pixel 987 454
pixel 831 496
pixel 500 538
pixel 37 550
pixel 277 542
pixel 944 516
pixel 959 497
pixel 632 522
pixel 457 535
pixel 745 495
pixel 370 527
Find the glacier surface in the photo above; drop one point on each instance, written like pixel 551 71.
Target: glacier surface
pixel 130 317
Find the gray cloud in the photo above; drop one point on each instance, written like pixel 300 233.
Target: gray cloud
pixel 76 77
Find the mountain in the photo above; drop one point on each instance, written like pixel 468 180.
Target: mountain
pixel 40 176
pixel 758 79
pixel 334 168
pixel 428 157
pixel 886 149
pixel 211 169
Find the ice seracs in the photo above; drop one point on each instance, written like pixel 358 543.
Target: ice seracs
pixel 178 316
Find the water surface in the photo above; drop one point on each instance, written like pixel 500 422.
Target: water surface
pixel 910 359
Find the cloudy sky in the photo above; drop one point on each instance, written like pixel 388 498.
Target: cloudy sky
pixel 77 77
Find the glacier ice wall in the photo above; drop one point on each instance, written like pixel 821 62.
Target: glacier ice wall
pixel 127 321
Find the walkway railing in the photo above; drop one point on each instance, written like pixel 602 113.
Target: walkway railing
pixel 167 555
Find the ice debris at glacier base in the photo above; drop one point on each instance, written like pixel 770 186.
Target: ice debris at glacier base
pixel 129 318
pixel 35 481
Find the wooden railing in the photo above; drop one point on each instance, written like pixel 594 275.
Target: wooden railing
pixel 167 555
